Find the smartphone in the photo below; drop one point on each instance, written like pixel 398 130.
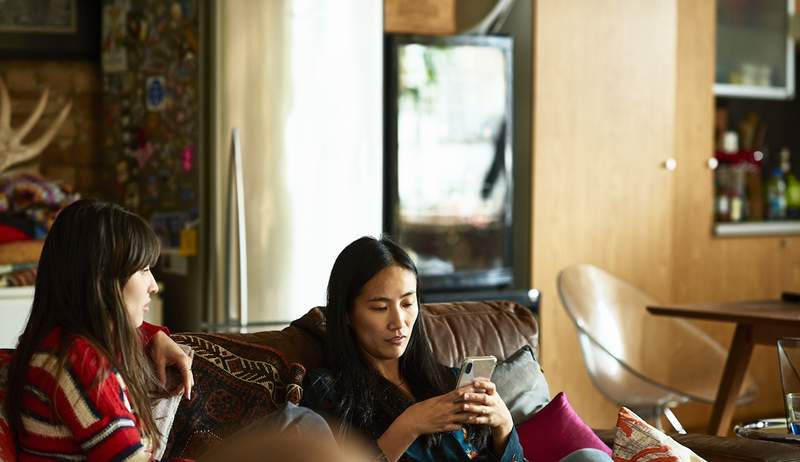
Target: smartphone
pixel 476 366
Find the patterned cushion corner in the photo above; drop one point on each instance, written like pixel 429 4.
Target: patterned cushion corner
pixel 8 452
pixel 638 440
pixel 235 383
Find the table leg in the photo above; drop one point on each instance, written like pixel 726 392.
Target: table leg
pixel 732 378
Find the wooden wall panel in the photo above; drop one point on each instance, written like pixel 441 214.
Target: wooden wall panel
pixel 604 105
pixel 708 268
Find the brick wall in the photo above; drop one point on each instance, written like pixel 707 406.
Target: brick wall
pixel 74 154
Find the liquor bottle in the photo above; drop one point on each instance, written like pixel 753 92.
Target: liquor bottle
pixel 776 195
pixel 792 185
pixel 792 196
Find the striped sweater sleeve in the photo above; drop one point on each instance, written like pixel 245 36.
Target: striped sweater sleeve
pixel 92 407
pixel 148 331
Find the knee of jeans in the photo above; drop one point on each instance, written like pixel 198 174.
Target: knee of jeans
pixel 587 455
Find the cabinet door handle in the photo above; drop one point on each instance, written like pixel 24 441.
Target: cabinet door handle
pixel 712 163
pixel 670 164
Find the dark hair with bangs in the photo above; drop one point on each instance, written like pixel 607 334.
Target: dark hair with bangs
pixel 367 400
pixel 91 251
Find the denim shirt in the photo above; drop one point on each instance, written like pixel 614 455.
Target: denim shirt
pixel 320 395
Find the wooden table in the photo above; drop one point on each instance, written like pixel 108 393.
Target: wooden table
pixel 757 322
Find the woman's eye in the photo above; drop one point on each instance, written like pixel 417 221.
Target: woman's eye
pixel 407 305
pixel 377 308
pixel 146 269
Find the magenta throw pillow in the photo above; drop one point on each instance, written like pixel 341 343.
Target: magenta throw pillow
pixel 555 432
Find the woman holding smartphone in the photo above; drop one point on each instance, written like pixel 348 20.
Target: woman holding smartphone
pixel 382 379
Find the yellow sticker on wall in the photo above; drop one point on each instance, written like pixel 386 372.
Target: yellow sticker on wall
pixel 188 245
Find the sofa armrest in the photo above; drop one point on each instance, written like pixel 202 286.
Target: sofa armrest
pixel 727 449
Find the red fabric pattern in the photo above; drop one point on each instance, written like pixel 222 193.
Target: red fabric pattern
pixel 8 452
pixel 149 331
pixel 93 415
pixel 12 234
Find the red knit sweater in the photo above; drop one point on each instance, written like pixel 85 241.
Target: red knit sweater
pixel 94 419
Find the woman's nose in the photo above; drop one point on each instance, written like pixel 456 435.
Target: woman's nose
pixel 395 318
pixel 153 289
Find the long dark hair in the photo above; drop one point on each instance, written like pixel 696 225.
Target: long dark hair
pixel 88 256
pixel 368 401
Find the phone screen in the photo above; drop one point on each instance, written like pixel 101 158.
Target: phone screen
pixel 476 366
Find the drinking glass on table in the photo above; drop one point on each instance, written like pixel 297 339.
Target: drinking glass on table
pixel 793 413
pixel 789 362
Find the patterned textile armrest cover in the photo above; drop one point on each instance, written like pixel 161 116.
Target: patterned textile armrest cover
pixel 236 382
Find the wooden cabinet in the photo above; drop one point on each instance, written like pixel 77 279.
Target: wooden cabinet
pixel 604 127
pixel 617 92
pixel 706 267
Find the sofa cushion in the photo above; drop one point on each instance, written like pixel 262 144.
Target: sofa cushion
pixel 301 342
pixel 497 328
pixel 7 451
pixel 732 449
pixel 236 382
pixel 502 327
pixel 555 432
pixel 521 384
pixel 638 440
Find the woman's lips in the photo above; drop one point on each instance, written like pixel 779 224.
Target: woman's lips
pixel 398 340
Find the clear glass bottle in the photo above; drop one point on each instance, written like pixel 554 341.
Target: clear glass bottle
pixel 776 195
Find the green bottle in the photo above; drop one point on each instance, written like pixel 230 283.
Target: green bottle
pixel 792 196
pixel 792 186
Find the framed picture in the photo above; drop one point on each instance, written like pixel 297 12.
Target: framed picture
pixel 51 29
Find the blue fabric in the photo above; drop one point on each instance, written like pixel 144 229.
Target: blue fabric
pixel 587 455
pixel 292 418
pixel 319 394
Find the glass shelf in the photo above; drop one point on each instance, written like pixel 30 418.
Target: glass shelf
pixel 757 228
pixel 755 50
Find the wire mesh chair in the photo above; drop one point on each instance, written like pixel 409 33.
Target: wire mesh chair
pixel 647 363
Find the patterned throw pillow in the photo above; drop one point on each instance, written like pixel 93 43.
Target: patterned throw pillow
pixel 636 440
pixel 234 384
pixel 8 452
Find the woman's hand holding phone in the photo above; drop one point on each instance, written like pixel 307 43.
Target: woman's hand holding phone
pixel 488 408
pixel 443 413
pixel 485 406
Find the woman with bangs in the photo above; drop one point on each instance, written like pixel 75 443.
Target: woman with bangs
pixel 81 380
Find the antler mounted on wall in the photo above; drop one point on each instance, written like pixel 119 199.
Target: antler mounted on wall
pixel 12 151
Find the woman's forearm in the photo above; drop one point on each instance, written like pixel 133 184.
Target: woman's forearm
pixel 395 440
pixel 500 439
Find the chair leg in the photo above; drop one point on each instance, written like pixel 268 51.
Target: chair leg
pixel 673 420
pixel 651 415
pixel 656 418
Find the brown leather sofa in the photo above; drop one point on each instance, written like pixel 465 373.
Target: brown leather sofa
pixel 457 330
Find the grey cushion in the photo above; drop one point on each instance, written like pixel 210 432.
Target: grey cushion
pixel 521 384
